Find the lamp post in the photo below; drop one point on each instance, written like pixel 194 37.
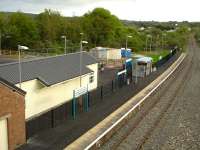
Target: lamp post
pixel 163 35
pixel 146 43
pixel 64 37
pixel 8 37
pixel 5 36
pixel 150 45
pixel 136 73
pixel 128 36
pixel 20 67
pixel 81 49
pixel 156 42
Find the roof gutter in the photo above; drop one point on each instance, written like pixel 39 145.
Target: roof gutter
pixel 12 86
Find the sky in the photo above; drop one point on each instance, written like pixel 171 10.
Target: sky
pixel 139 10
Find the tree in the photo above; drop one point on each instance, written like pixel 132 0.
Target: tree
pixel 22 29
pixel 101 27
pixel 51 25
pixel 2 22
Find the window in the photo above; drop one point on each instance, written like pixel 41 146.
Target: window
pixel 91 79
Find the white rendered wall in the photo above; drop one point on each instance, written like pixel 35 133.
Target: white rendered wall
pixel 3 135
pixel 114 54
pixel 40 99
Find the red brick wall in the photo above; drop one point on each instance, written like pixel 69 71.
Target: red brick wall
pixel 12 103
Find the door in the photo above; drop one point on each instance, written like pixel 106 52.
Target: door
pixel 3 135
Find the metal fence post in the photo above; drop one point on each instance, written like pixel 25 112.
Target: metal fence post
pixel 74 106
pixel 86 102
pixel 101 92
pixel 52 118
pixel 136 73
pixel 112 86
pixel 89 100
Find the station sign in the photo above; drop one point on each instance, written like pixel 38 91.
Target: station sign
pixel 128 60
pixel 121 72
pixel 80 91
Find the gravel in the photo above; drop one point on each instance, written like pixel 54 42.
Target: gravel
pixel 171 118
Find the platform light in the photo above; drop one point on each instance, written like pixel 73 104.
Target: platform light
pixel 20 47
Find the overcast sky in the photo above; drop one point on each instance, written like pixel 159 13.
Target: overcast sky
pixel 157 10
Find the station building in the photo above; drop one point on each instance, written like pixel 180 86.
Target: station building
pixel 103 53
pixel 12 116
pixel 142 66
pixel 49 84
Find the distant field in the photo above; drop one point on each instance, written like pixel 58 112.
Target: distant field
pixel 155 54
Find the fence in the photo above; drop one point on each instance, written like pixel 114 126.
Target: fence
pixel 48 120
pixel 165 59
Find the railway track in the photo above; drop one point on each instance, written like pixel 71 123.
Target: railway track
pixel 126 137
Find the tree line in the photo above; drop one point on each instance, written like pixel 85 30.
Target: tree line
pixel 99 26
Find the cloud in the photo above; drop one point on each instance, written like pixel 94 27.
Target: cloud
pixel 19 4
pixel 66 7
pixel 161 10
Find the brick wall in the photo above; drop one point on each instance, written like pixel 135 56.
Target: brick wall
pixel 12 105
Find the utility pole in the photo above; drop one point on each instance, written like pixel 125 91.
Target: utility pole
pixel 126 42
pixel 163 35
pixel 146 43
pixel 151 43
pixel 81 47
pixel 64 37
pixel 156 42
pixel 20 67
pixel 128 36
pixel 65 46
pixel 19 61
pixel 136 74
pixel 81 55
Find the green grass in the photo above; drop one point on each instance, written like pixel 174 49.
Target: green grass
pixel 155 54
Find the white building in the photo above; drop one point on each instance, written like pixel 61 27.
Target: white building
pixel 103 53
pixel 142 66
pixel 50 82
